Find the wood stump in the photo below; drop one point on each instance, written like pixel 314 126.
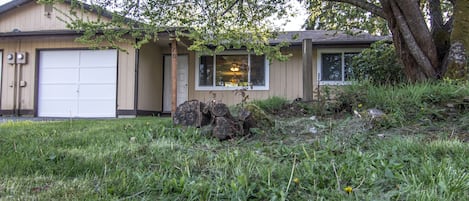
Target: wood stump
pixel 215 117
pixel 189 113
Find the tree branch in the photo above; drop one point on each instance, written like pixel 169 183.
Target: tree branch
pixel 229 7
pixel 374 9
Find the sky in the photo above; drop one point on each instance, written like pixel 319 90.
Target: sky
pixel 300 18
pixel 4 1
pixel 294 24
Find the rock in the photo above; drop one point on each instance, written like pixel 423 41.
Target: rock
pixel 375 113
pixel 313 130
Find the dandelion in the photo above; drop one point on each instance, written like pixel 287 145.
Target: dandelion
pixel 348 189
pixel 296 180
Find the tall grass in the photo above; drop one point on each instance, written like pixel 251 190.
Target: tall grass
pixel 408 102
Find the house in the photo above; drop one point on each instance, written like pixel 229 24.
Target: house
pixel 45 73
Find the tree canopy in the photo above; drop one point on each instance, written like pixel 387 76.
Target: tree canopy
pixel 343 16
pixel 210 25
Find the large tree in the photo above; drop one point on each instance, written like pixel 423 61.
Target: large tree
pixel 430 36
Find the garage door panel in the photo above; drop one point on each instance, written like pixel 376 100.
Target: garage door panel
pixel 97 75
pixel 97 91
pixel 98 58
pixel 59 59
pixel 57 75
pixel 97 108
pixel 53 91
pixel 77 83
pixel 58 108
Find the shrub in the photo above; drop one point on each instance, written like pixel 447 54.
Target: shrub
pixel 379 64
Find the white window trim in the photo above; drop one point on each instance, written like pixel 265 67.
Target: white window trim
pixel 337 51
pixel 223 88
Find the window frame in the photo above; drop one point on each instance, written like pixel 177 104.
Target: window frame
pixel 341 51
pixel 224 88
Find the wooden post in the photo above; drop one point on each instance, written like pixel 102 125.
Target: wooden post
pixel 307 70
pixel 174 67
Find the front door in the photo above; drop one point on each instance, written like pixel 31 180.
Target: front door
pixel 182 81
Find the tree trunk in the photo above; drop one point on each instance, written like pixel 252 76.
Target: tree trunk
pixel 424 53
pixel 412 39
pixel 456 61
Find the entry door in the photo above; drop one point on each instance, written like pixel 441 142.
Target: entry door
pixel 182 81
pixel 77 83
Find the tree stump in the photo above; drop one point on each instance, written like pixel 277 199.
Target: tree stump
pixel 216 120
pixel 225 128
pixel 189 113
pixel 247 119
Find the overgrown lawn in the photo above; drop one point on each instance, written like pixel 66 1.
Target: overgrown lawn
pixel 149 159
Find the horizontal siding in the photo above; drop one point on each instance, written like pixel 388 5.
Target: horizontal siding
pixel 126 71
pixel 31 17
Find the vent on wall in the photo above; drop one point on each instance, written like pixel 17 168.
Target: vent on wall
pixel 48 10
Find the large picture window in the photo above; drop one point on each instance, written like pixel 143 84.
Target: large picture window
pixel 232 70
pixel 335 66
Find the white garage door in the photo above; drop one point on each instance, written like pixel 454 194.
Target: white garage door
pixel 77 83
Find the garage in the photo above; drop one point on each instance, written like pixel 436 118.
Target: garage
pixel 77 83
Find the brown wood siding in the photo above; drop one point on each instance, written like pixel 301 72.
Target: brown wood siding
pixel 126 69
pixel 150 78
pixel 31 17
pixel 285 81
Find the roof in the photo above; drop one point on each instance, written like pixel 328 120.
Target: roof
pixel 322 37
pixel 12 4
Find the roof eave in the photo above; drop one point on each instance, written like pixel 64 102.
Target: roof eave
pixel 39 33
pixel 12 5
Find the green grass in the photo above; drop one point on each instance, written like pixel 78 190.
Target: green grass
pixel 272 104
pixel 409 103
pixel 149 159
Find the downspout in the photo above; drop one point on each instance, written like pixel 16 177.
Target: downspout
pixel 13 85
pixel 136 86
pixel 17 82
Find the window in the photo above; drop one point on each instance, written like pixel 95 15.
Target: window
pixel 334 65
pixel 231 70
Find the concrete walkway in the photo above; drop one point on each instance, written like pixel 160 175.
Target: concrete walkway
pixel 15 119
